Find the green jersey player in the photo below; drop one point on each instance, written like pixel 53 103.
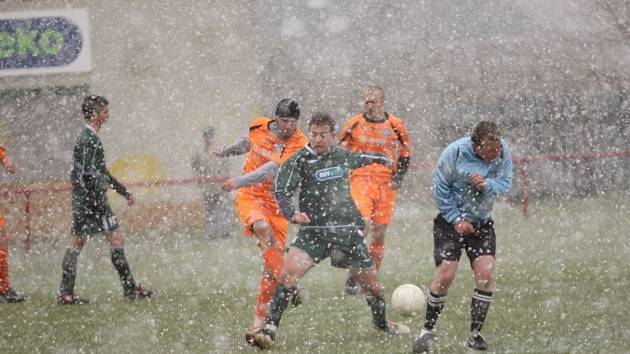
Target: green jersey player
pixel 330 223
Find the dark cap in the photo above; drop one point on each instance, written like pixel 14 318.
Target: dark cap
pixel 288 108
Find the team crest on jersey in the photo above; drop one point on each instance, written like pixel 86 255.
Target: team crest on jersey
pixel 329 173
pixel 278 148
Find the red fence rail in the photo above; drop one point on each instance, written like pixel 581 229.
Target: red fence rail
pixel 522 163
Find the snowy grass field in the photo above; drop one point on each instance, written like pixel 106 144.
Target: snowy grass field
pixel 561 287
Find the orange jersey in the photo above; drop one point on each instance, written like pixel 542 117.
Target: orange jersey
pixel 388 137
pixel 3 153
pixel 265 147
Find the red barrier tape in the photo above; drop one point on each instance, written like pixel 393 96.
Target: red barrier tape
pixel 521 162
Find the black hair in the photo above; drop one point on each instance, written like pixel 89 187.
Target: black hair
pixel 485 129
pixel 288 108
pixel 321 118
pixel 92 105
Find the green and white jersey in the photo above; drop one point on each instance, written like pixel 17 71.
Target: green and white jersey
pixel 323 184
pixel 89 171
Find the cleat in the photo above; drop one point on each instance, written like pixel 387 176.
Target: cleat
pixel 394 328
pixel 11 296
pixel 476 342
pixel 263 338
pixel 250 335
pixel 70 299
pixel 139 293
pixel 351 288
pixel 259 324
pixel 423 342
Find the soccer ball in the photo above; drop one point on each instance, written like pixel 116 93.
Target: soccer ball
pixel 408 300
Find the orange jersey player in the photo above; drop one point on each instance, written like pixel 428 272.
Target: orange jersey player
pixel 7 294
pixel 268 144
pixel 374 186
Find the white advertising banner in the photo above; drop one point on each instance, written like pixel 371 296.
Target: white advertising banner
pixel 44 41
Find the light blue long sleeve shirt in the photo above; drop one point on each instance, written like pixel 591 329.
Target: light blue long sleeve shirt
pixel 453 191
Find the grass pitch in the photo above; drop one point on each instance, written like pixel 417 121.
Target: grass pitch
pixel 561 287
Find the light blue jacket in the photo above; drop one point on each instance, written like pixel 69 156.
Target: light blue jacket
pixel 453 191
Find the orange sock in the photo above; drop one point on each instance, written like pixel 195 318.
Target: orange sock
pixel 273 260
pixel 4 270
pixel 265 294
pixel 377 250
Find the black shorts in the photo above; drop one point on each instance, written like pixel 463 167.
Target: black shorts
pixel 448 244
pixel 91 216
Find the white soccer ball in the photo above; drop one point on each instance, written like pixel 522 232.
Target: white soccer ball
pixel 408 300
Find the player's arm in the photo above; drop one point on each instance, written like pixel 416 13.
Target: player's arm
pixel 286 183
pixel 442 185
pixel 404 154
pixel 239 147
pixel 502 183
pixel 117 186
pixel 6 161
pixel 256 176
pixel 85 173
pixel 345 133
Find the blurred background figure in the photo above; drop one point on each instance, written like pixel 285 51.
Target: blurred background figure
pixel 218 213
pixel 7 294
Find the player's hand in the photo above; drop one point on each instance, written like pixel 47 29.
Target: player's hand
pixel 8 164
pixel 478 181
pixel 464 227
pixel 229 185
pixel 217 152
pixel 394 184
pixel 301 218
pixel 131 200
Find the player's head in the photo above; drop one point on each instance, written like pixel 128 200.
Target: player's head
pixel 287 115
pixel 95 107
pixel 373 100
pixel 321 130
pixel 486 138
pixel 208 135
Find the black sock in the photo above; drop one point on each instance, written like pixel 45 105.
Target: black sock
pixel 377 304
pixel 121 265
pixel 279 303
pixel 479 308
pixel 69 271
pixel 435 304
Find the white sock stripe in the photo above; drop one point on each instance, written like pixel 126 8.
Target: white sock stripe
pixel 480 297
pixel 434 301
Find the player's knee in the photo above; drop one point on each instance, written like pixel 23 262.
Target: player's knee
pixel 263 231
pixel 483 278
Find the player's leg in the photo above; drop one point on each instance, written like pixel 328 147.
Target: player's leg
pixel 131 290
pixel 209 208
pixel 481 250
pixel 297 263
pixel 69 272
pixel 367 279
pixel 223 216
pixel 383 209
pixel 271 232
pixel 7 294
pixel 446 253
pixel 360 191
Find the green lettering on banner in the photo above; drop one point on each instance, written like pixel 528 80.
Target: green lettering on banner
pixel 51 42
pixel 26 42
pixel 6 45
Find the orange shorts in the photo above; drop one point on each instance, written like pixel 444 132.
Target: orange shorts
pixel 1 220
pixel 252 209
pixel 373 197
